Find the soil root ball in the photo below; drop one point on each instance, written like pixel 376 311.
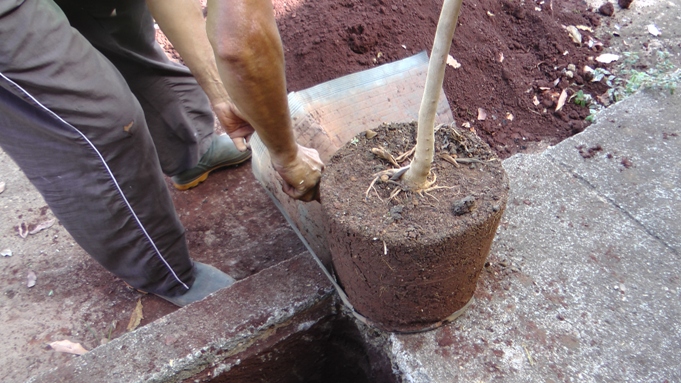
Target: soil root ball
pixel 408 262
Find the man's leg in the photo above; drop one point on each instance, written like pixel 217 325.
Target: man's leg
pixel 176 109
pixel 68 119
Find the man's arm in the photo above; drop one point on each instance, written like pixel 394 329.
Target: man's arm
pixel 250 60
pixel 182 22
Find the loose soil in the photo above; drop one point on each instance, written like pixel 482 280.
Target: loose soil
pixel 420 253
pixel 510 53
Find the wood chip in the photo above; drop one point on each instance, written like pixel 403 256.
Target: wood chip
pixel 607 58
pixel 451 61
pixel 42 226
pixel 31 278
pixel 68 347
pixel 136 317
pixel 23 230
pixel 561 100
pixel 574 33
pixel 652 29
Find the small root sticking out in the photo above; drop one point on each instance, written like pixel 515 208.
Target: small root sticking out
pixel 385 176
pixel 395 193
pixel 405 155
pixel 392 175
pixel 383 153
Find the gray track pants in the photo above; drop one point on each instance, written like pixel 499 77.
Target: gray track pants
pixel 93 129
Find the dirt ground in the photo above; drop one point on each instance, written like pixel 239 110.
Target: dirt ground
pixel 510 53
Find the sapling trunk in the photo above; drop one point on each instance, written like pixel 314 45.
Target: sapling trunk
pixel 416 178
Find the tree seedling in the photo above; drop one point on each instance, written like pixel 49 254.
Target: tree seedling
pixel 416 176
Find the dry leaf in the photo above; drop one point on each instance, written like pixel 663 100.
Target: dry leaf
pixel 652 29
pixel 370 134
pixel 6 252
pixel 561 100
pixel 607 58
pixel 42 226
pixel 509 116
pixel 535 101
pixel 482 115
pixel 466 124
pixel 585 28
pixel 136 316
pixel 23 230
pixel 68 347
pixel 126 128
pixel 451 61
pixel 2 187
pixel 574 34
pixel 604 99
pixel 31 278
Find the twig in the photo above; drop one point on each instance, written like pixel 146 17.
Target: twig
pixel 527 353
pixel 469 160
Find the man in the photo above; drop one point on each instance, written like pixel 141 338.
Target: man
pixel 94 115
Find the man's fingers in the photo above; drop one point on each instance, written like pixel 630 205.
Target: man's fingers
pixel 240 144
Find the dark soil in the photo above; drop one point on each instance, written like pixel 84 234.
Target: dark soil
pixel 509 52
pixel 421 253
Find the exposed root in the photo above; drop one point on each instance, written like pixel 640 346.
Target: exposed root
pixel 377 195
pixel 383 153
pixel 405 155
pixel 449 159
pixel 395 193
pixel 371 186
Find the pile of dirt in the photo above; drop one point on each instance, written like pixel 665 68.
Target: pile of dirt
pixel 515 57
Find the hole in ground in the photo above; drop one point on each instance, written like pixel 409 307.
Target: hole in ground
pixel 331 351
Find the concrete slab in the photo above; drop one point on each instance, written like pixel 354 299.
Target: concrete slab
pixel 575 291
pixel 634 161
pixel 217 336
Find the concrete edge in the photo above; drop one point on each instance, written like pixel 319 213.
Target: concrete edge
pixel 190 341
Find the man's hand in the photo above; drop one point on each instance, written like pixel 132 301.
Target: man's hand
pixel 236 127
pixel 301 176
